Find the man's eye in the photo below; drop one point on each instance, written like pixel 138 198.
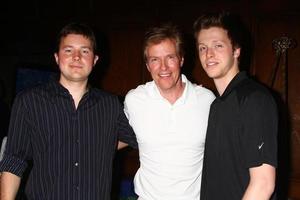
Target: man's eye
pixel 153 59
pixel 86 51
pixel 202 49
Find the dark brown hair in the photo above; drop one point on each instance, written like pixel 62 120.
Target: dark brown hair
pixel 79 29
pixel 225 20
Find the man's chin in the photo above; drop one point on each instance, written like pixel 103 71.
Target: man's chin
pixel 211 75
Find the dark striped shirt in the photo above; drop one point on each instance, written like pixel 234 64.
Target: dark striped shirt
pixel 71 149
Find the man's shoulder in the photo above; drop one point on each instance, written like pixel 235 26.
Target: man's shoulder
pixel 252 91
pixel 32 92
pixel 202 92
pixel 250 86
pixel 100 94
pixel 140 92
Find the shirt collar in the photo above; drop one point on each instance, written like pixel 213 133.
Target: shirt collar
pixel 56 89
pixel 154 91
pixel 239 77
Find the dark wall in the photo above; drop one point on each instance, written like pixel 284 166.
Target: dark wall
pixel 28 31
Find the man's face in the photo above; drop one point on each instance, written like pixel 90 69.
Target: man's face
pixel 217 56
pixel 75 58
pixel 164 63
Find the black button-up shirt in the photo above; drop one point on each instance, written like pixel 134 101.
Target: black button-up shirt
pixel 71 149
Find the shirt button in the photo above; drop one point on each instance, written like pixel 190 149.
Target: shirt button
pixel 76 164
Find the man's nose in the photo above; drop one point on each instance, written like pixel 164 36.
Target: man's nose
pixel 76 56
pixel 210 52
pixel 164 64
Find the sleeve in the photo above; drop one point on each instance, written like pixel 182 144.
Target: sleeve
pixel 17 150
pixel 126 133
pixel 259 130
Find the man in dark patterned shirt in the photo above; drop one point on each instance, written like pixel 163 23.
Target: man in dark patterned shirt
pixel 68 130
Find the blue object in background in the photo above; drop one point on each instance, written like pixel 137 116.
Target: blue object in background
pixel 26 78
pixel 127 190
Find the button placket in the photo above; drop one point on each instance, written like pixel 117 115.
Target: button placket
pixel 172 120
pixel 76 143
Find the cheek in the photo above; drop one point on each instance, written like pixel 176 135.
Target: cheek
pixel 59 61
pixel 63 58
pixel 89 62
pixel 152 68
pixel 202 58
pixel 153 72
pixel 176 69
pixel 90 59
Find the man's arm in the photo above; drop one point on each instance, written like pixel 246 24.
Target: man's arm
pixel 262 183
pixel 125 132
pixel 9 186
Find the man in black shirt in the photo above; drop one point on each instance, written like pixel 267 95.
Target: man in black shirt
pixel 241 145
pixel 68 130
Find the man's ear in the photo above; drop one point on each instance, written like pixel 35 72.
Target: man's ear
pixel 96 59
pixel 56 58
pixel 237 52
pixel 182 61
pixel 148 68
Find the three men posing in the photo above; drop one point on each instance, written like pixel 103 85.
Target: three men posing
pixel 70 130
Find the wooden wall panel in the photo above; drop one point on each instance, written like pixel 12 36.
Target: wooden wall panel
pixel 123 64
pixel 199 76
pixel 123 70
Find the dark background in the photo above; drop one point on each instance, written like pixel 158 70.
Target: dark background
pixel 28 32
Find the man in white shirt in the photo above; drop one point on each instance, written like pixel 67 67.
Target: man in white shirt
pixel 169 117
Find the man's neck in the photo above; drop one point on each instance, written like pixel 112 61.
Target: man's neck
pixel 222 83
pixel 173 94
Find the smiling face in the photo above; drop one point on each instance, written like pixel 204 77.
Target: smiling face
pixel 75 58
pixel 164 63
pixel 216 54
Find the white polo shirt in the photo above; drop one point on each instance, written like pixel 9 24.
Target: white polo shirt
pixel 171 140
